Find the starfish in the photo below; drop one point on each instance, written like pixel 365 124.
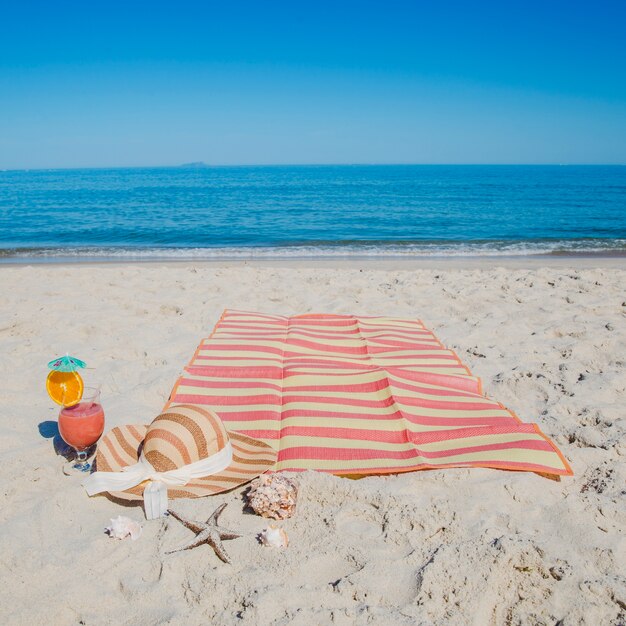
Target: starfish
pixel 207 532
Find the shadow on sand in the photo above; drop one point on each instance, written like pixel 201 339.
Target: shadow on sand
pixel 50 430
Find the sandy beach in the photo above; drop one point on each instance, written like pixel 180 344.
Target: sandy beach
pixel 457 546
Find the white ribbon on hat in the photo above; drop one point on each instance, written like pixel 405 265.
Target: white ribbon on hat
pixel 155 493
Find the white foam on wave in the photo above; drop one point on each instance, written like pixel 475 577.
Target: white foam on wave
pixel 377 250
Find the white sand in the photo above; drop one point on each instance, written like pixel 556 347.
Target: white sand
pixel 439 547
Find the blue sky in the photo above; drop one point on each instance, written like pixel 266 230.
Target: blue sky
pixel 108 83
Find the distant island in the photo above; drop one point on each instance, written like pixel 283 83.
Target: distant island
pixel 195 164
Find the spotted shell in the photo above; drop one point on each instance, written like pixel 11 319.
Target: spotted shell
pixel 273 496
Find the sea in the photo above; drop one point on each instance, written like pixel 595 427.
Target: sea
pixel 204 212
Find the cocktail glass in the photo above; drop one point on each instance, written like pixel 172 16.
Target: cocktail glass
pixel 81 425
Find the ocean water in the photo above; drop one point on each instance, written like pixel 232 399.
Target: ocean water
pixel 246 212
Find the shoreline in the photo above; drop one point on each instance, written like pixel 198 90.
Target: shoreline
pixel 575 261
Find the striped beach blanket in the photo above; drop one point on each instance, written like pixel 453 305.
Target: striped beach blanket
pixel 356 395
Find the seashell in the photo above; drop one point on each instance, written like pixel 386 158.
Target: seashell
pixel 273 496
pixel 274 537
pixel 122 527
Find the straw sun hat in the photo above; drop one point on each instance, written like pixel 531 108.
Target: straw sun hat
pixel 186 452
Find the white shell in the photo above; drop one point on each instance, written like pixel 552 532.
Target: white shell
pixel 274 537
pixel 122 527
pixel 273 496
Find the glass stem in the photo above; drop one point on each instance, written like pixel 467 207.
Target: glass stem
pixel 81 458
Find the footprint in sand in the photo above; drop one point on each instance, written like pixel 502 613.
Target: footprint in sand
pixel 358 523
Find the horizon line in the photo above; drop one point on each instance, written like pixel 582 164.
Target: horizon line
pixel 200 165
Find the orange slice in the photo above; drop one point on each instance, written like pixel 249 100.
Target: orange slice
pixel 65 388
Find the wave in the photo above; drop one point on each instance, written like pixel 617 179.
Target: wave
pixel 328 250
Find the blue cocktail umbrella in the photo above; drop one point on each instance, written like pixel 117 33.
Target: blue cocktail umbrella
pixel 66 364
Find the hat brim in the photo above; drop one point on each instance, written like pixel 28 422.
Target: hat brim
pixel 121 447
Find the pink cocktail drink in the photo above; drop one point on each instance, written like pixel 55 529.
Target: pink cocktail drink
pixel 82 425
